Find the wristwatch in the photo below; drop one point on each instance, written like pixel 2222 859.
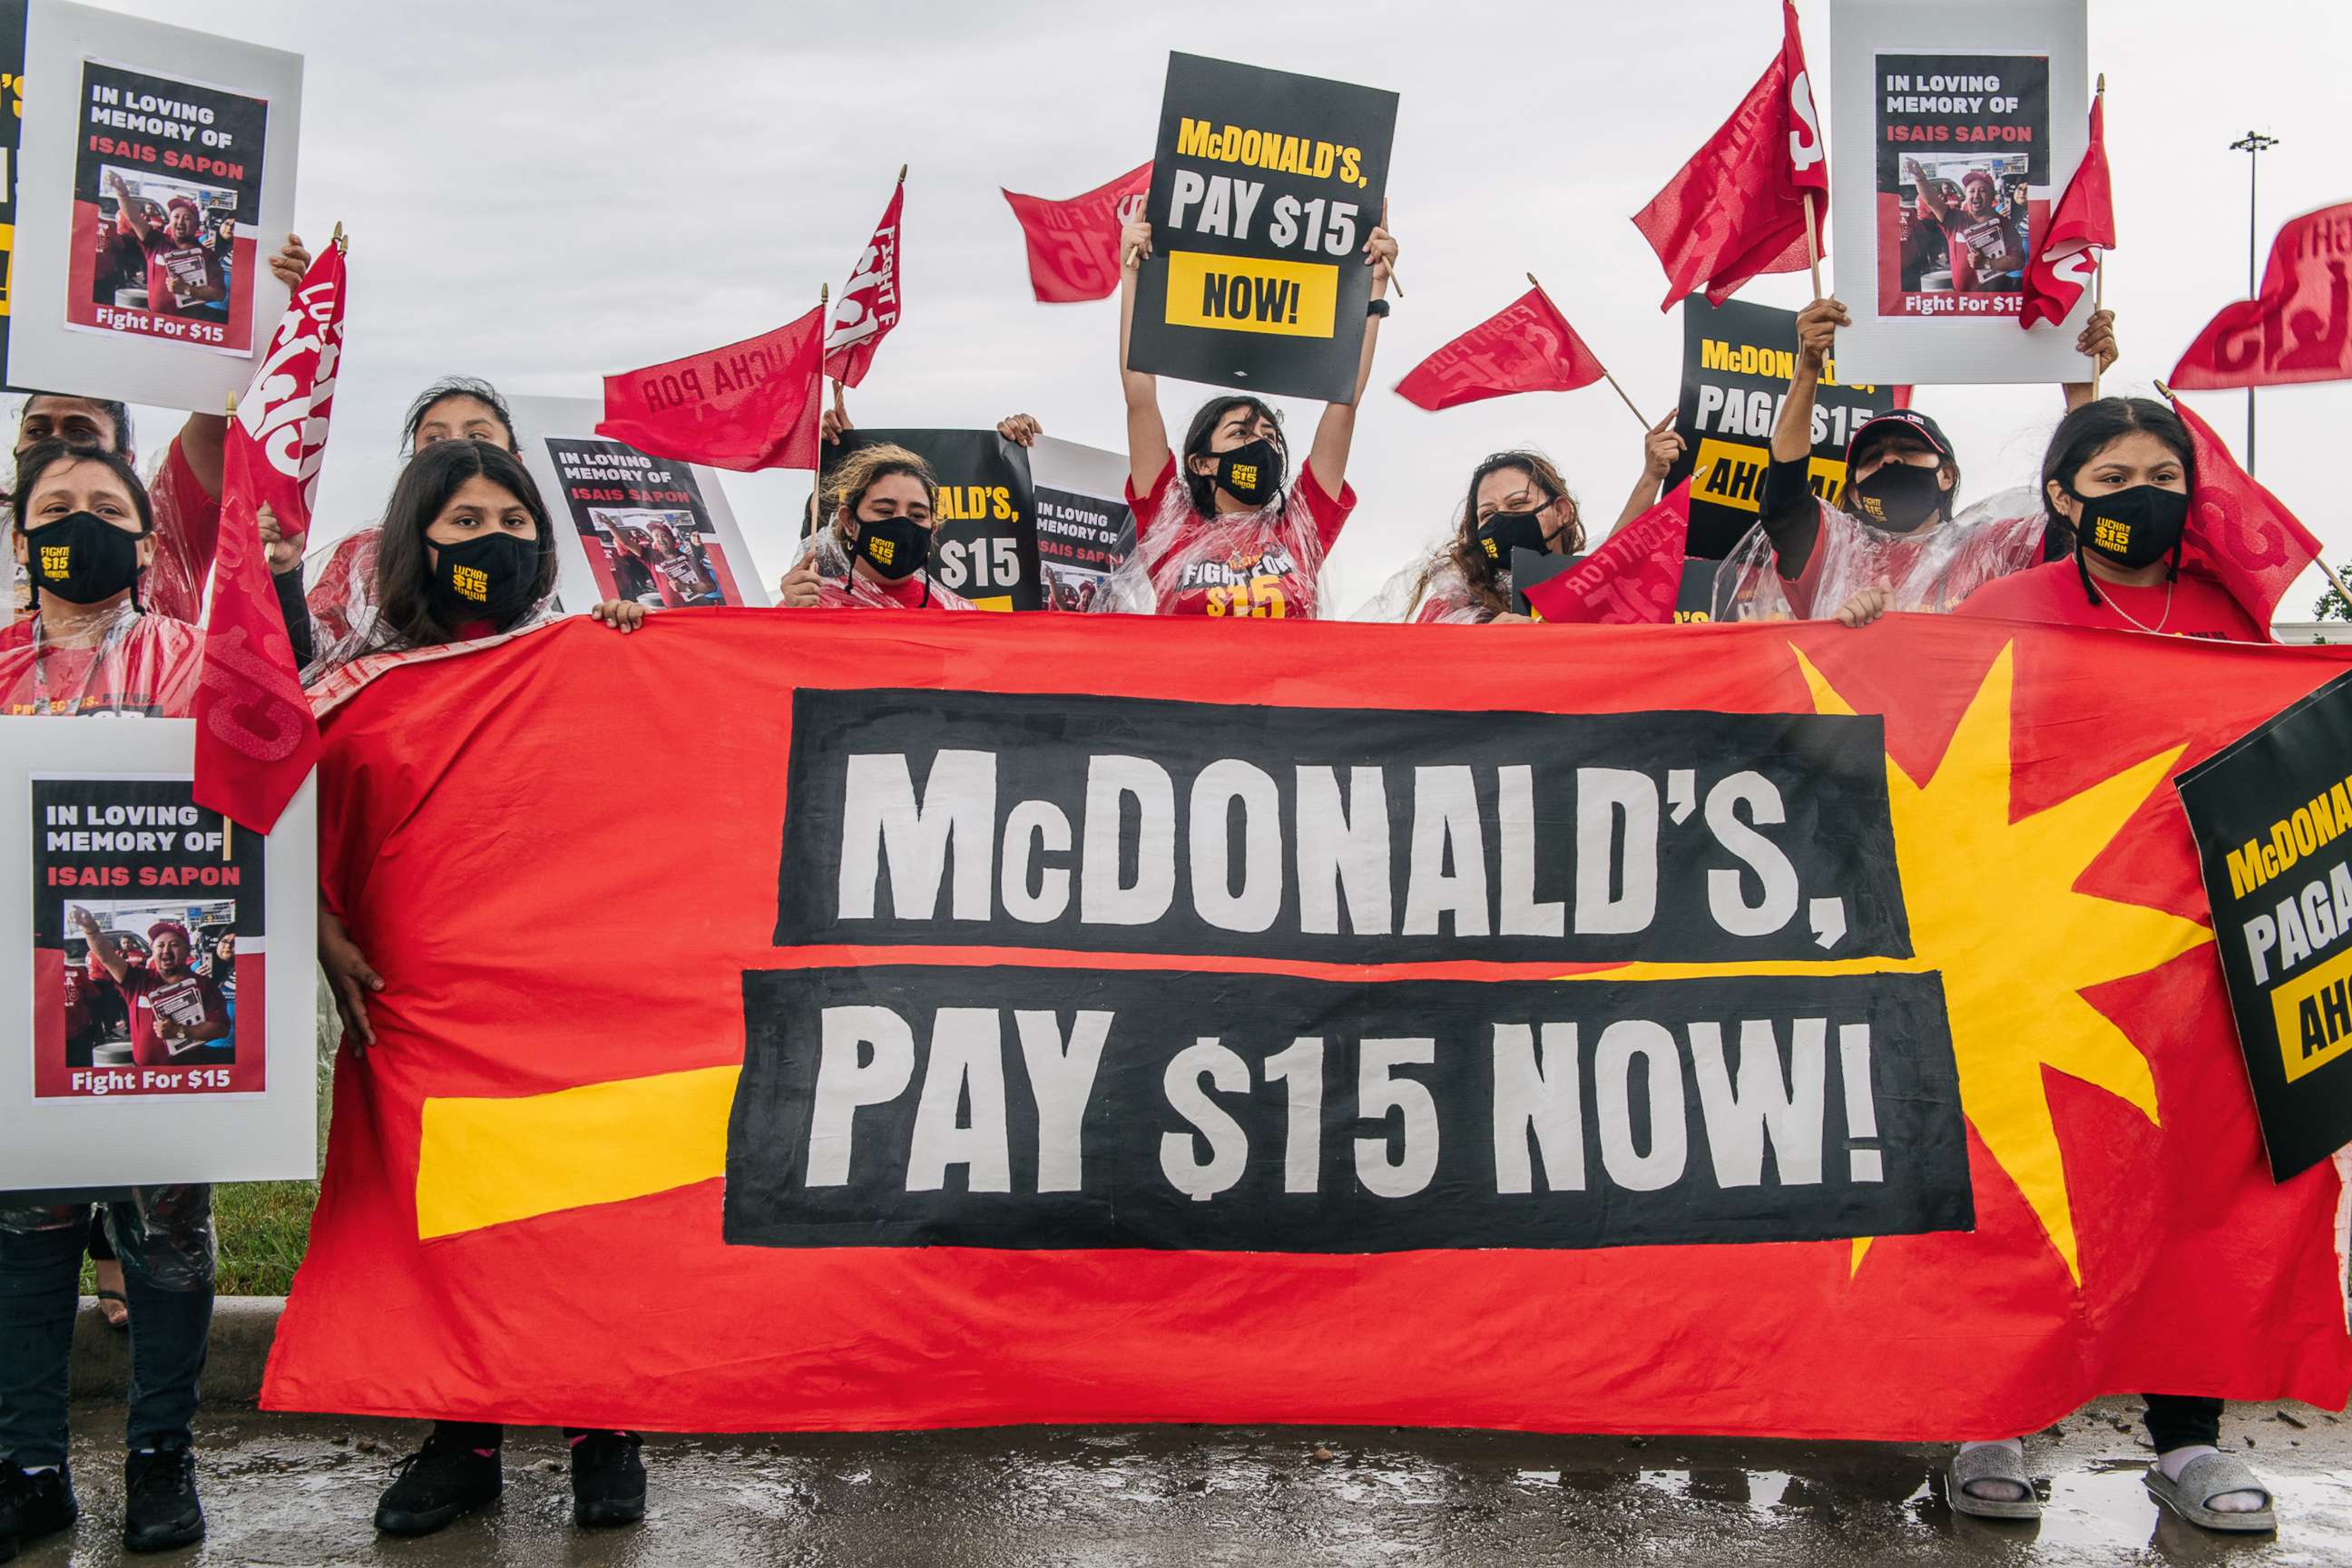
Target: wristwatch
pixel 1376 307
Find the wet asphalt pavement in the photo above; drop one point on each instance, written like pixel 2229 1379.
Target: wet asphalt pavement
pixel 283 1491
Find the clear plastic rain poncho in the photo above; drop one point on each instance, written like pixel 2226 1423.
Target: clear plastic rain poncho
pixel 352 645
pixel 340 580
pixel 142 666
pixel 839 587
pixel 1267 562
pixel 1433 591
pixel 1930 570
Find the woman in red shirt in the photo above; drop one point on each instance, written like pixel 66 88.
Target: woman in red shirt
pixel 1229 540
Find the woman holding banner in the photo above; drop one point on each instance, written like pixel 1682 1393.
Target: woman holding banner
pixel 1229 540
pixel 85 531
pixel 876 551
pixel 466 553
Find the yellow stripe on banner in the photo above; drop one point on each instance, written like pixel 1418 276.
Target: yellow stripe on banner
pixel 1245 294
pixel 485 1161
pixel 2310 1042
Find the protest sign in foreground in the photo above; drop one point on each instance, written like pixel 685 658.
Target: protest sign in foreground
pixel 2273 816
pixel 1064 1033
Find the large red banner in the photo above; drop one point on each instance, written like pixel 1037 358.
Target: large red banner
pixel 1800 1031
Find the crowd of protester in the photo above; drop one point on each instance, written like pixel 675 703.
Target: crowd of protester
pixel 1229 524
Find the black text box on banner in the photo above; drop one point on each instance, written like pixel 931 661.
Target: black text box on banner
pixel 2273 816
pixel 1738 359
pixel 1061 1107
pixel 987 513
pixel 1264 187
pixel 1351 835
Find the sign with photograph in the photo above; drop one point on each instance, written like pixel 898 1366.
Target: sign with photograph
pixel 1086 533
pixel 157 180
pixel 1264 187
pixel 1957 127
pixel 159 961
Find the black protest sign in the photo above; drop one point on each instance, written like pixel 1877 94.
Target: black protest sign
pixel 1738 360
pixel 985 546
pixel 12 136
pixel 2273 818
pixel 1693 598
pixel 187 157
pixel 1067 822
pixel 1963 169
pixel 1264 187
pixel 1250 1112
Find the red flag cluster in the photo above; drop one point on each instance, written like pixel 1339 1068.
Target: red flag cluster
pixel 2298 329
pixel 1738 207
pixel 751 405
pixel 1074 244
pixel 2084 222
pixel 256 737
pixel 1526 346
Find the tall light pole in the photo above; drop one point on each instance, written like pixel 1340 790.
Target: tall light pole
pixel 2252 145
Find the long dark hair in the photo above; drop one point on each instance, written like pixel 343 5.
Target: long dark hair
pixel 1481 572
pixel 1202 488
pixel 2082 436
pixel 405 616
pixel 48 453
pixel 450 386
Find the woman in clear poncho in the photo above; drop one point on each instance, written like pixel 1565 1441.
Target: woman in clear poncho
pixel 874 551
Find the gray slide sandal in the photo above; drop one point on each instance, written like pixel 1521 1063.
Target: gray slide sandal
pixel 2205 1478
pixel 1995 1463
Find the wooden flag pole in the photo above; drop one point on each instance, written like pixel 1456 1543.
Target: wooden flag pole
pixel 1813 244
pixel 2099 282
pixel 2318 561
pixel 816 476
pixel 1611 380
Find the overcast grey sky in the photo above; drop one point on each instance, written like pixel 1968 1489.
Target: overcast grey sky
pixel 540 193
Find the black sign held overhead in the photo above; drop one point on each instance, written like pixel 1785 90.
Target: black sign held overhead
pixel 1264 187
pixel 987 537
pixel 2273 818
pixel 1738 360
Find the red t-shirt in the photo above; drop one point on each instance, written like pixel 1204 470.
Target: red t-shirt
pixel 190 266
pixel 1259 563
pixel 190 1000
pixel 187 531
pixel 2052 594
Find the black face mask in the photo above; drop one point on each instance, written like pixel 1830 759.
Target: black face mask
pixel 1897 496
pixel 895 547
pixel 1251 474
pixel 1509 530
pixel 485 579
pixel 2136 527
pixel 82 557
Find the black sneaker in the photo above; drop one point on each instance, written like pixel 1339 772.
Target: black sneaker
pixel 435 1484
pixel 33 1506
pixel 158 1501
pixel 608 1480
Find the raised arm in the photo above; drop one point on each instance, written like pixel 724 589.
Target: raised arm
pixel 1817 325
pixel 1930 198
pixel 108 955
pixel 132 218
pixel 2096 342
pixel 1335 433
pixel 1660 449
pixel 1147 432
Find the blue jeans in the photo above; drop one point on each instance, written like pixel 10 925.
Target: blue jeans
pixel 164 1235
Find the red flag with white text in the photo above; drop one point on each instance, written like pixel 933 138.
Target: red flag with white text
pixel 2298 329
pixel 1074 244
pixel 256 737
pixel 1738 207
pixel 751 405
pixel 2239 533
pixel 868 304
pixel 1632 579
pixel 1526 346
pixel 2083 224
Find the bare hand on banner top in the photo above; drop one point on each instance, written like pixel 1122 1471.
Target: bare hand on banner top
pixel 621 615
pixel 1662 448
pixel 1865 605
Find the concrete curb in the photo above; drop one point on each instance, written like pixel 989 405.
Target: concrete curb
pixel 244 1328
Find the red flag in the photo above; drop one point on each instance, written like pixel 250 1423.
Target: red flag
pixel 1526 346
pixel 868 305
pixel 751 405
pixel 1738 207
pixel 1632 579
pixel 2239 533
pixel 2298 329
pixel 1074 244
pixel 256 737
pixel 2085 222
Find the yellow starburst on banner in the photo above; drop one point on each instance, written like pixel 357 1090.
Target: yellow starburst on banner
pixel 1994 907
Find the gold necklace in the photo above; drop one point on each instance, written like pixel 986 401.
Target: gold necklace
pixel 2117 604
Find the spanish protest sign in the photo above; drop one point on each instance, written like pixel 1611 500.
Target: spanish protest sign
pixel 157 180
pixel 12 117
pixel 654 530
pixel 1086 533
pixel 1264 187
pixel 1968 120
pixel 162 1026
pixel 1733 1006
pixel 985 542
pixel 2273 816
pixel 1738 360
